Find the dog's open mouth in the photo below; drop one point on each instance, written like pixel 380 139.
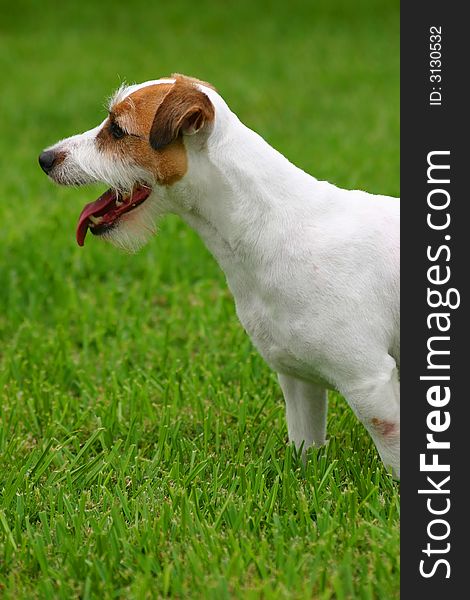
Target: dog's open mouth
pixel 100 215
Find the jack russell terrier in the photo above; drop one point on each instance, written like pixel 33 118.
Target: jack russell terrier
pixel 314 269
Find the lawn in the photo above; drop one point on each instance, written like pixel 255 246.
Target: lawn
pixel 142 439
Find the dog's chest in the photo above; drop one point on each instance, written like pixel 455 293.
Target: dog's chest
pixel 269 314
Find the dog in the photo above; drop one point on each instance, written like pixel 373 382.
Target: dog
pixel 314 269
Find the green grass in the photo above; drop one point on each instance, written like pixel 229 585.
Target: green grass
pixel 142 439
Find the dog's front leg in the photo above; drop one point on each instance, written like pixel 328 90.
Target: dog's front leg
pixel 377 404
pixel 306 409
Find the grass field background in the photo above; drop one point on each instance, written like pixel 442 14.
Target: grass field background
pixel 142 439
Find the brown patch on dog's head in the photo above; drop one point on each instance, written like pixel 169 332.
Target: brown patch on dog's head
pixel 147 126
pixel 193 80
pixel 184 110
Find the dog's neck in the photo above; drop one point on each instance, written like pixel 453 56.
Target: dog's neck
pixel 242 196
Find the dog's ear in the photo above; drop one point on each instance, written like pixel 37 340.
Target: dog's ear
pixel 184 110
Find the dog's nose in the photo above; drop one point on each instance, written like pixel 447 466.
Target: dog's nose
pixel 47 160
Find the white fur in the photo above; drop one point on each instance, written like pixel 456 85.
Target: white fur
pixel 314 269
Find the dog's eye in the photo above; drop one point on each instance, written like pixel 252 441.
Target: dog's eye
pixel 116 131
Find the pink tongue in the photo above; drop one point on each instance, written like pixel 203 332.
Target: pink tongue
pixel 96 208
